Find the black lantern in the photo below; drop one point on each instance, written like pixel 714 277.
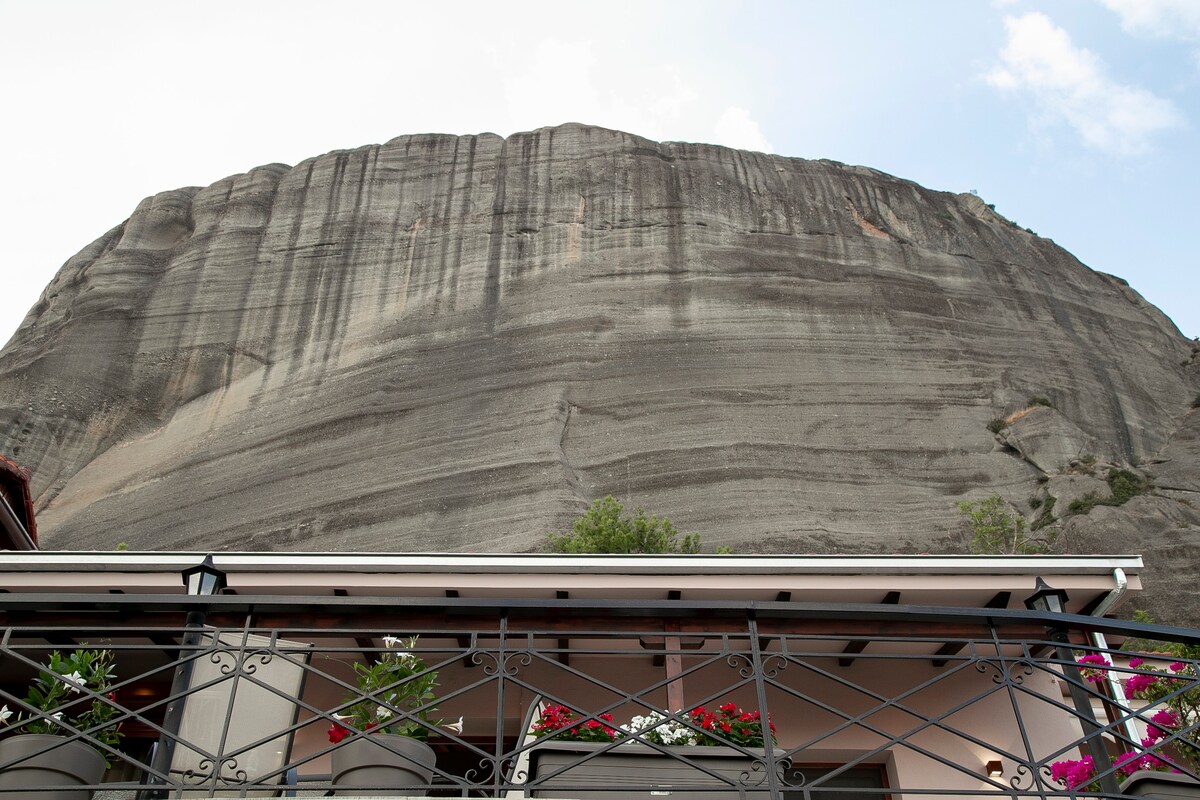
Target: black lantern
pixel 204 579
pixel 1045 598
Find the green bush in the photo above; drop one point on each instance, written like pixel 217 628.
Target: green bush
pixel 1125 486
pixel 994 531
pixel 1196 402
pixel 1047 516
pixel 1082 505
pixel 605 528
pixel 997 425
pixel 1038 400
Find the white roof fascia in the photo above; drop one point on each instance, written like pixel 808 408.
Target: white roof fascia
pixel 128 561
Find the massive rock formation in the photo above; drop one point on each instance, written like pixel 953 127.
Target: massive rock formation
pixel 453 343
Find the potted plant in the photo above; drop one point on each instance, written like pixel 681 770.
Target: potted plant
pixel 697 750
pixel 71 691
pixel 391 710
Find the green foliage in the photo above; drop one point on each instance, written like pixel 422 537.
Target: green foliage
pixel 1035 502
pixel 1082 505
pixel 997 425
pixel 1038 400
pixel 1174 688
pixel 994 531
pixel 121 546
pixel 605 528
pixel 1125 486
pixel 75 690
pixel 1196 402
pixel 1047 516
pixel 1085 504
pixel 397 693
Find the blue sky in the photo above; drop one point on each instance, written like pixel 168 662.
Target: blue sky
pixel 1076 118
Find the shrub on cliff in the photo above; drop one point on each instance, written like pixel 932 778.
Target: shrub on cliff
pixel 996 531
pixel 606 528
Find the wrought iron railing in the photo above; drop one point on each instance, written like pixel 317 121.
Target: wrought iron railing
pixel 869 701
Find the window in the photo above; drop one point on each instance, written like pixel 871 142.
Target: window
pixel 870 777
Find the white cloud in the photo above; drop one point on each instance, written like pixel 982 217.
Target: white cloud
pixel 1069 83
pixel 736 128
pixel 1172 19
pixel 595 83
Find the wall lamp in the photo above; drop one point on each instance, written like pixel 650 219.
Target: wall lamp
pixel 1046 598
pixel 204 578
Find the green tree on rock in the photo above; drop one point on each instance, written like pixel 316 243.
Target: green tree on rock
pixel 606 528
pixel 995 531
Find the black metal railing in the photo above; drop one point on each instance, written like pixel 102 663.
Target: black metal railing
pixel 868 701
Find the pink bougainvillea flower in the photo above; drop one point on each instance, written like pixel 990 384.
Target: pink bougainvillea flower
pixel 1139 683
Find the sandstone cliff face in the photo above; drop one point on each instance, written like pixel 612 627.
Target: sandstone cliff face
pixel 453 343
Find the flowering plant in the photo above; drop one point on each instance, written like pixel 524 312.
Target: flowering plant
pixel 394 695
pixel 731 724
pixel 1177 690
pixel 728 724
pixel 660 729
pixel 72 690
pixel 1180 710
pixel 565 725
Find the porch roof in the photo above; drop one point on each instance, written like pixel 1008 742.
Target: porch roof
pixel 937 580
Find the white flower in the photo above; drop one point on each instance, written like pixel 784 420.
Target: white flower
pixel 666 732
pixel 5 714
pixel 383 712
pixel 390 641
pixel 74 681
pixel 455 727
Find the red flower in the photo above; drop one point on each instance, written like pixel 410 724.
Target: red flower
pixel 337 732
pixel 728 708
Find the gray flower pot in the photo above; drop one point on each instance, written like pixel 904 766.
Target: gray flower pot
pixel 1161 785
pixel 44 760
pixel 613 774
pixel 393 764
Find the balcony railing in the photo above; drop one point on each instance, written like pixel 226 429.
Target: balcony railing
pixel 868 701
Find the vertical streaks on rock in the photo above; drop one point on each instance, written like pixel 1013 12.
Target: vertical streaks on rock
pixel 452 342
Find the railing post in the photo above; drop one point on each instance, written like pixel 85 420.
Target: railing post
pixel 764 710
pixel 173 715
pixel 1083 708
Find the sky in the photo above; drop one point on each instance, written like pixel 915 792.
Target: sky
pixel 1076 118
